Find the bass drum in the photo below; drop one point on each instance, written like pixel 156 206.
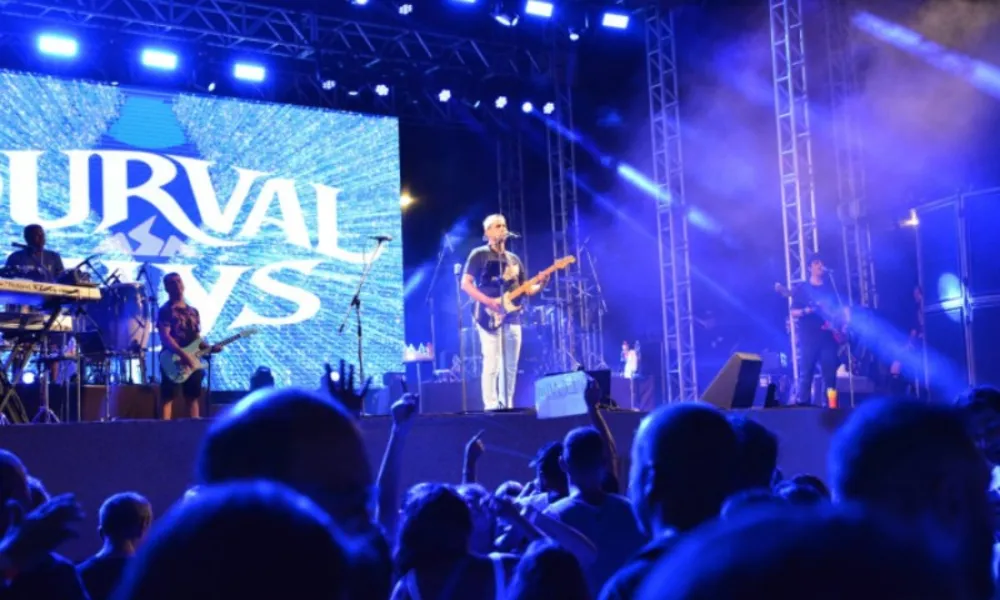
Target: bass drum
pixel 122 318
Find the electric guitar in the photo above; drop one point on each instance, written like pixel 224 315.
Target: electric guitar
pixel 837 326
pixel 491 320
pixel 178 372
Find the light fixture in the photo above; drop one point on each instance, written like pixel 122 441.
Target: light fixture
pixel 59 46
pixel 382 89
pixel 249 72
pixel 527 107
pixel 537 8
pixel 444 95
pixel 506 12
pixel 159 59
pixel 615 20
pixel 501 102
pixel 549 108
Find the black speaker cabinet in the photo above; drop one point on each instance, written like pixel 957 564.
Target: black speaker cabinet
pixel 736 384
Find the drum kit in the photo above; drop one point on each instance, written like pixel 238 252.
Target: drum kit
pixel 105 340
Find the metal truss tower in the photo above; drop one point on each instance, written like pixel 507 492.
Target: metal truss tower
pixel 510 185
pixel 680 368
pixel 848 144
pixel 791 110
pixel 571 344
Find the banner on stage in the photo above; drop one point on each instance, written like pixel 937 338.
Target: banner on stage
pixel 562 395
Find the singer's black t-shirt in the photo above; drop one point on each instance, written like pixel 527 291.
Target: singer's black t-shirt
pixel 495 273
pixel 823 299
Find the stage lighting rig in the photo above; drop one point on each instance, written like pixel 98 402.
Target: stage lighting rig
pixel 506 12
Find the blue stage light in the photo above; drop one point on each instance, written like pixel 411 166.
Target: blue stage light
pixel 444 95
pixel 159 59
pixel 28 377
pixel 501 102
pixel 249 72
pixel 549 108
pixel 615 20
pixel 527 107
pixel 537 8
pixel 58 45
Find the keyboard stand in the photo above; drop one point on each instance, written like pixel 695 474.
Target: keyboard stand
pixel 9 387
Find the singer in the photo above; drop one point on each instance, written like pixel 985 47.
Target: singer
pixel 490 271
pixel 821 320
pixel 34 255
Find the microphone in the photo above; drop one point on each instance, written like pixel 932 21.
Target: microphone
pixel 382 238
pixel 21 246
pixel 511 234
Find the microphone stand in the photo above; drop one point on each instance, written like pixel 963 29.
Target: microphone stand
pixel 602 309
pixel 429 299
pixel 356 307
pixel 461 336
pixel 850 356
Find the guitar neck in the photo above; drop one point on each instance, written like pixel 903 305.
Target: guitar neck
pixel 527 285
pixel 222 344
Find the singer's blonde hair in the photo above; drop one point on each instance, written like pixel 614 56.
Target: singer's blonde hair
pixel 490 220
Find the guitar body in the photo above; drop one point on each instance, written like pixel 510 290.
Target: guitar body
pixel 492 320
pixel 836 327
pixel 178 372
pixel 174 369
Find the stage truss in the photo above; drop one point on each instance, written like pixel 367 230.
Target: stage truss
pixel 405 58
pixel 510 189
pixel 680 368
pixel 848 146
pixel 795 161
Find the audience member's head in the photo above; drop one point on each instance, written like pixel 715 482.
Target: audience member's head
pixel 917 461
pixel 798 494
pixel 684 458
pixel 548 571
pixel 981 406
pixel 241 540
pixel 124 520
pixel 813 482
pixel 751 499
pixel 551 478
pixel 509 490
pixel 39 495
pixel 484 523
pixel 822 554
pixel 583 458
pixel 434 528
pixel 758 452
pixel 13 487
pixel 299 438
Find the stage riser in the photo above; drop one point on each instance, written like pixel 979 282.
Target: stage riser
pixel 95 460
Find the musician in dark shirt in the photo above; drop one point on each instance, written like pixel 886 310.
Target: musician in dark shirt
pixel 179 325
pixel 817 310
pixel 35 256
pixel 490 272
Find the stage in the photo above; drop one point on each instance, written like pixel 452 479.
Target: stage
pixel 156 459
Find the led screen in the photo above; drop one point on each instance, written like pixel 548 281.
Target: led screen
pixel 268 212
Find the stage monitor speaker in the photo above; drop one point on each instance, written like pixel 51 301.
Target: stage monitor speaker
pixel 736 384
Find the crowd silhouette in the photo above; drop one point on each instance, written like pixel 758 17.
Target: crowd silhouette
pixel 287 505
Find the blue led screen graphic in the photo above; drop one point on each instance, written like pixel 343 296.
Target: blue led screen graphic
pixel 267 211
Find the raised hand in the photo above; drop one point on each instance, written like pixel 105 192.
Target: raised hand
pixel 403 410
pixel 343 390
pixel 31 538
pixel 475 447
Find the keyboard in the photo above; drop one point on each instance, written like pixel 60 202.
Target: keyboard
pixel 32 293
pixel 27 322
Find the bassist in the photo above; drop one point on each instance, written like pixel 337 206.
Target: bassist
pixel 815 306
pixel 179 324
pixel 491 271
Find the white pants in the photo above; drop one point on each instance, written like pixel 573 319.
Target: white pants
pixel 491 381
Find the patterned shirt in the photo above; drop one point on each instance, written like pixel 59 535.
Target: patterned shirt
pixel 184 322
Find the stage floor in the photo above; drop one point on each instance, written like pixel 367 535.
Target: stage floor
pixel 156 459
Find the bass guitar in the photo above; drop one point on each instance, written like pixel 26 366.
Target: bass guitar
pixel 175 370
pixel 837 326
pixel 491 320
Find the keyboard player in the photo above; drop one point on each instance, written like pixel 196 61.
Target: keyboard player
pixel 34 256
